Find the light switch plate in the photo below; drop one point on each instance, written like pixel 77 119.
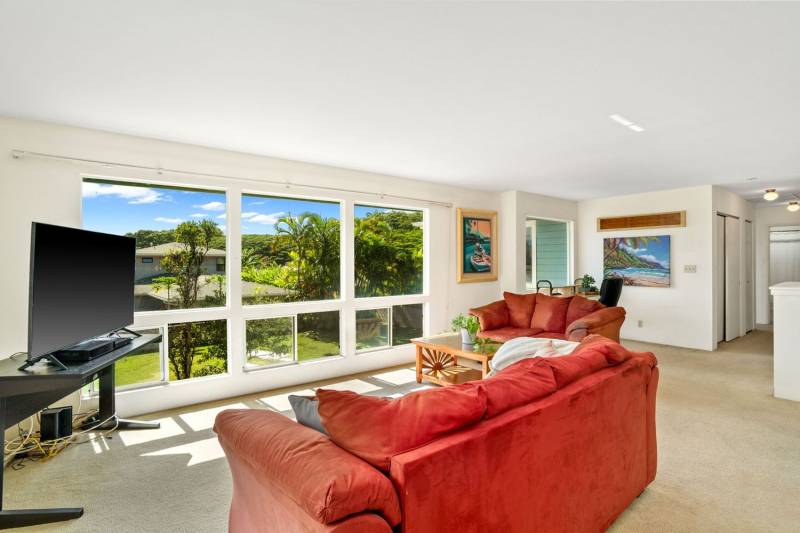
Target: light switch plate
pixel 690 269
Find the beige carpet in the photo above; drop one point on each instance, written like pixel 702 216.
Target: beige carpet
pixel 729 456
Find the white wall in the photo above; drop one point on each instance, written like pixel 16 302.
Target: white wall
pixel 681 315
pixel 765 218
pixel 50 191
pixel 517 206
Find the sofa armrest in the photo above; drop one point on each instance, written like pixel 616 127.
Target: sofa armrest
pixel 324 480
pixel 606 322
pixel 492 316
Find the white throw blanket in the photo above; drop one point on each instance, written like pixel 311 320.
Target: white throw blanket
pixel 525 347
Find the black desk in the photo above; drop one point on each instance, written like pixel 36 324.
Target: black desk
pixel 25 393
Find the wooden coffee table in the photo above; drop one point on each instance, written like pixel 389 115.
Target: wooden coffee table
pixel 437 359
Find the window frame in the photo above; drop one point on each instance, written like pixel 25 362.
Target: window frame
pixel 237 314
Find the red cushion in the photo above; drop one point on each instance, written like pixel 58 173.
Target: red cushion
pixel 320 477
pixel 506 334
pixel 492 316
pixel 551 335
pixel 520 308
pixel 579 307
pixel 376 429
pixel 569 368
pixel 551 313
pixel 614 352
pixel 520 383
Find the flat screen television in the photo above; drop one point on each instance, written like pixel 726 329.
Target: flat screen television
pixel 81 286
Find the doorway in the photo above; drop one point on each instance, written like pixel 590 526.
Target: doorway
pixel 784 256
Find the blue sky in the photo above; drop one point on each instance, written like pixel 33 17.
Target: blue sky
pixel 118 208
pixel 657 251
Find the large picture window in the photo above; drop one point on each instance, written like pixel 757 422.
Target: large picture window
pixel 180 238
pixel 388 251
pixel 290 250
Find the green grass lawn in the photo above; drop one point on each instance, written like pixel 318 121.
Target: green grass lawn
pixel 146 367
pixel 139 368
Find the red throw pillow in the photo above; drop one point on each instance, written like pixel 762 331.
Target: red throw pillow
pixel 551 313
pixel 614 352
pixel 492 316
pixel 520 383
pixel 569 368
pixel 376 429
pixel 520 308
pixel 579 307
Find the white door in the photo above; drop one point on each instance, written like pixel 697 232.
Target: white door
pixel 733 290
pixel 719 279
pixel 749 287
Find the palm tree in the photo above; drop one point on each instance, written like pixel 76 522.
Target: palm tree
pixel 296 229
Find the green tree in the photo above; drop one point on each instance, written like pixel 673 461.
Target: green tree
pixel 165 283
pixel 186 266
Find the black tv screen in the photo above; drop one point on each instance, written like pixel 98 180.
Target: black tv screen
pixel 81 286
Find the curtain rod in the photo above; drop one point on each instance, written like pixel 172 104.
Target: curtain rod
pixel 20 154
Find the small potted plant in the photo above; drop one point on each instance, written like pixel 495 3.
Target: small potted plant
pixel 587 284
pixel 468 326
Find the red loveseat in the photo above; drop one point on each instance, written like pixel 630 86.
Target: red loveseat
pixel 539 315
pixel 556 444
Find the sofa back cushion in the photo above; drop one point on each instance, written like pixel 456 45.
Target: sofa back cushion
pixel 579 307
pixel 569 368
pixel 520 383
pixel 520 308
pixel 376 429
pixel 492 316
pixel 551 313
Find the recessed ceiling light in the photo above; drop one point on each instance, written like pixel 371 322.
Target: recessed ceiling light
pixel 631 125
pixel 751 179
pixel 770 195
pixel 620 119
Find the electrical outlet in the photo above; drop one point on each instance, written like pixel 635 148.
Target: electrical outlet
pixel 690 269
pixel 641 323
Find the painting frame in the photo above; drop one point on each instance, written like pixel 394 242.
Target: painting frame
pixel 640 261
pixel 471 274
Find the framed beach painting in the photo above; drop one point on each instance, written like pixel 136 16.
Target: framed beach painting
pixel 639 261
pixel 477 245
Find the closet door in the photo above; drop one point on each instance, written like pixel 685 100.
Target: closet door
pixel 719 278
pixel 749 287
pixel 733 257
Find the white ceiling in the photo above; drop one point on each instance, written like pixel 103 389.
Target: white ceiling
pixel 494 96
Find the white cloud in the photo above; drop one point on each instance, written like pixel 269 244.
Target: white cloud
pixel 258 203
pixel 134 194
pixel 223 227
pixel 222 216
pixel 167 220
pixel 249 214
pixel 269 219
pixel 198 215
pixel 212 206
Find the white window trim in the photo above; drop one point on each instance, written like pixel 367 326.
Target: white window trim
pixel 154 396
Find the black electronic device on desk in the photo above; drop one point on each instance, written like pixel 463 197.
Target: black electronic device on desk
pixel 80 303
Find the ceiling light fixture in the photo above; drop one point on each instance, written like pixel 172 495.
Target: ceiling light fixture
pixel 770 195
pixel 631 125
pixel 793 206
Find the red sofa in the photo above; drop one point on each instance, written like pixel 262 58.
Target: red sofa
pixel 563 444
pixel 539 315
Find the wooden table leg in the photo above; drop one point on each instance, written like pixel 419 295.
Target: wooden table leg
pixel 485 368
pixel 419 364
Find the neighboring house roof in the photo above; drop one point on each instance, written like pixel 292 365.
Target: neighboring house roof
pixel 162 250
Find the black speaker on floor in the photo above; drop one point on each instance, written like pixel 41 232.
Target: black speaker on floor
pixel 56 423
